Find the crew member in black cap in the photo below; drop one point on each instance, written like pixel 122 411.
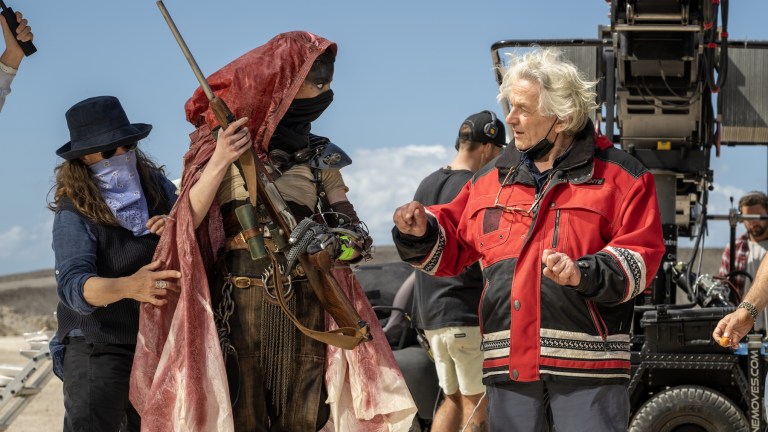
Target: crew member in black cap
pixel 446 308
pixel 110 202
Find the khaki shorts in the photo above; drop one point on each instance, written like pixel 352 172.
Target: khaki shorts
pixel 458 359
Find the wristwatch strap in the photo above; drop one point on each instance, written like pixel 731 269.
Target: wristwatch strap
pixel 750 308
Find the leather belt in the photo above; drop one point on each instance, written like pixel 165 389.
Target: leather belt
pixel 243 282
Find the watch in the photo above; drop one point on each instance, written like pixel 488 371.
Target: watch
pixel 749 307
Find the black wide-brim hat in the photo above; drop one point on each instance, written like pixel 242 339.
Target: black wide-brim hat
pixel 99 124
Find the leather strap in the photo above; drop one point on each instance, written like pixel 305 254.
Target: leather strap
pixel 249 173
pixel 238 242
pixel 344 338
pixel 243 282
pixel 251 233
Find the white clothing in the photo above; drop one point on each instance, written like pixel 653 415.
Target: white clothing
pixel 458 359
pixel 6 76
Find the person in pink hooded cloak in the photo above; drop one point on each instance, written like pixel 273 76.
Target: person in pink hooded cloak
pixel 286 381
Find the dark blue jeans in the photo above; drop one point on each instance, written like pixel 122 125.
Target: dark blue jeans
pixel 96 380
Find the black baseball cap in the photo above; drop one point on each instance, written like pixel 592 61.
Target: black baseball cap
pixel 485 127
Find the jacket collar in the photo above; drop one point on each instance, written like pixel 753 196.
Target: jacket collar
pixel 577 166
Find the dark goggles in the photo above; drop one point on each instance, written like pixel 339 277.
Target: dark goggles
pixel 109 153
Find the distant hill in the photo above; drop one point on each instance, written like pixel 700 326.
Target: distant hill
pixel 27 275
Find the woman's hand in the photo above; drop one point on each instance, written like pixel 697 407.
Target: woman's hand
pixel 231 143
pixel 151 285
pixel 156 224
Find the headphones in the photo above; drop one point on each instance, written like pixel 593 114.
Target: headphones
pixel 490 129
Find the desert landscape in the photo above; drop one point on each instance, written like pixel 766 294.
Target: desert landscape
pixel 27 304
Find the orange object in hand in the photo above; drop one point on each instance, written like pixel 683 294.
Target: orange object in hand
pixel 725 341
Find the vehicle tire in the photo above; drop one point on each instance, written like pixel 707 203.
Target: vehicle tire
pixel 689 409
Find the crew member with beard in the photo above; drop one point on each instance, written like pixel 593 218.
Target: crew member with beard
pixel 750 248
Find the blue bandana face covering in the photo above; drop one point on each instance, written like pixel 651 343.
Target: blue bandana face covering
pixel 119 183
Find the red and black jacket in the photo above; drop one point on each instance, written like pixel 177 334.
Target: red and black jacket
pixel 598 206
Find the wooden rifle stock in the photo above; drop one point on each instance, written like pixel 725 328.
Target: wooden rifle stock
pixel 225 117
pixel 330 294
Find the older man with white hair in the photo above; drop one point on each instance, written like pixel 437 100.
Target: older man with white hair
pixel 568 232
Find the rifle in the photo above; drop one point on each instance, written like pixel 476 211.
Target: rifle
pixel 262 191
pixel 10 17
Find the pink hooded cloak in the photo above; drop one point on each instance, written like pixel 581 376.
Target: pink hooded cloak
pixel 178 380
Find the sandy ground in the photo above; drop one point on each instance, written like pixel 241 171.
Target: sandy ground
pixel 45 412
pixel 27 304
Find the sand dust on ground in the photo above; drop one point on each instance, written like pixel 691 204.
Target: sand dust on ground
pixel 45 412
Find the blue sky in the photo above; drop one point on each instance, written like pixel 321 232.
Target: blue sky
pixel 407 74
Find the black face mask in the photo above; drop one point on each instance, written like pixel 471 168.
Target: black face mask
pixel 307 110
pixel 542 147
pixel 291 134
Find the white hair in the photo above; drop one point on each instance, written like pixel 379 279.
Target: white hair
pixel 564 91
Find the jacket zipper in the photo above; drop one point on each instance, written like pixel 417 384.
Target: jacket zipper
pixel 557 229
pixel 600 326
pixel 534 212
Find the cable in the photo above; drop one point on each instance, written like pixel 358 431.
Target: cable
pixel 669 104
pixel 437 402
pixel 469 420
pixel 666 84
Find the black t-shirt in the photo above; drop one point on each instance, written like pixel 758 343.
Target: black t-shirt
pixel 446 301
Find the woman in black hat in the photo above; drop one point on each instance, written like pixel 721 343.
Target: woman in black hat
pixel 110 202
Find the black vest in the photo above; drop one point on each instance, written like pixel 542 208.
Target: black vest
pixel 118 253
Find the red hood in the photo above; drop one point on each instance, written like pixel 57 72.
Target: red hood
pixel 258 87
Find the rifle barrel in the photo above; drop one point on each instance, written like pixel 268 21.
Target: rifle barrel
pixel 2 5
pixel 185 50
